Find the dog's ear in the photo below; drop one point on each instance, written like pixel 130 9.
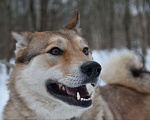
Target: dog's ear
pixel 23 39
pixel 74 23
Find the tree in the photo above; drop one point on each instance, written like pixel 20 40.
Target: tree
pixel 127 23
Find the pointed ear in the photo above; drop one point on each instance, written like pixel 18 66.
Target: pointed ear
pixel 23 39
pixel 74 23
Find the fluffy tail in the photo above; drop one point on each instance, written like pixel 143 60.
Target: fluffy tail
pixel 125 68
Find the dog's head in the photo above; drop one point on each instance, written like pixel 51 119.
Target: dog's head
pixel 57 65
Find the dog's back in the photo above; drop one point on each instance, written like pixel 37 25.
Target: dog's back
pixel 125 103
pixel 127 92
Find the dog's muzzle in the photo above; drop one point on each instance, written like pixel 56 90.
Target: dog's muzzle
pixel 80 95
pixel 91 70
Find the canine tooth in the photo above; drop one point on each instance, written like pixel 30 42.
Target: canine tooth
pixel 63 88
pixel 81 99
pixel 90 88
pixel 59 86
pixel 78 96
pixel 91 94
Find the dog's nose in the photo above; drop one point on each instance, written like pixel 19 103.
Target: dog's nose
pixel 91 69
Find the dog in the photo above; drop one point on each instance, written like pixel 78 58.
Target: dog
pixel 54 76
pixel 127 93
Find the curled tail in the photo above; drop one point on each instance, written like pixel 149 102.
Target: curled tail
pixel 125 68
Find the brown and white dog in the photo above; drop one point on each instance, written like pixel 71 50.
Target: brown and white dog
pixel 54 75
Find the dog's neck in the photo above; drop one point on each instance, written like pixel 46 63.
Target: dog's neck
pixel 47 109
pixel 16 107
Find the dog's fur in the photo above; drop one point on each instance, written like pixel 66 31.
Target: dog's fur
pixel 29 98
pixel 126 97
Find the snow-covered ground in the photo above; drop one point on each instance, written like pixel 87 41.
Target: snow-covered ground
pixel 3 89
pixel 99 56
pixel 148 60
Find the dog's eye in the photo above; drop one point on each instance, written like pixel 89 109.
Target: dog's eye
pixel 56 51
pixel 86 51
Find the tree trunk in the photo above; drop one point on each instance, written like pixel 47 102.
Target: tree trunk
pixel 43 14
pixel 143 36
pixel 31 16
pixel 8 42
pixel 148 22
pixel 38 16
pixel 127 23
pixel 111 27
pixel 7 29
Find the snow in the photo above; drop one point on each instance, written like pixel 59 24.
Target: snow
pixel 99 56
pixel 148 60
pixel 3 89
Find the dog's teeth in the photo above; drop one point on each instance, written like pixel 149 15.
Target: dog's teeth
pixel 84 99
pixel 63 88
pixel 90 88
pixel 78 96
pixel 89 99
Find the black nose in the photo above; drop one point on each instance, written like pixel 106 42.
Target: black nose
pixel 91 69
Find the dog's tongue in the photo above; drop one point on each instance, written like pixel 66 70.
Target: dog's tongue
pixel 82 91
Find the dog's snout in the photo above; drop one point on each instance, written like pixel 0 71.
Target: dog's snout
pixel 91 69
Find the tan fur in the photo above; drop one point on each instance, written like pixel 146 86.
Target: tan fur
pixel 74 24
pixel 16 107
pixel 121 64
pixel 126 97
pixel 29 98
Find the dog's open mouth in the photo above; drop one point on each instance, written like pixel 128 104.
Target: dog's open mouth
pixel 77 96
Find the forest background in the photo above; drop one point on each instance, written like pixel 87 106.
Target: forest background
pixel 106 24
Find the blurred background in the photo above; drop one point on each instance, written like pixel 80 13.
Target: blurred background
pixel 106 24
